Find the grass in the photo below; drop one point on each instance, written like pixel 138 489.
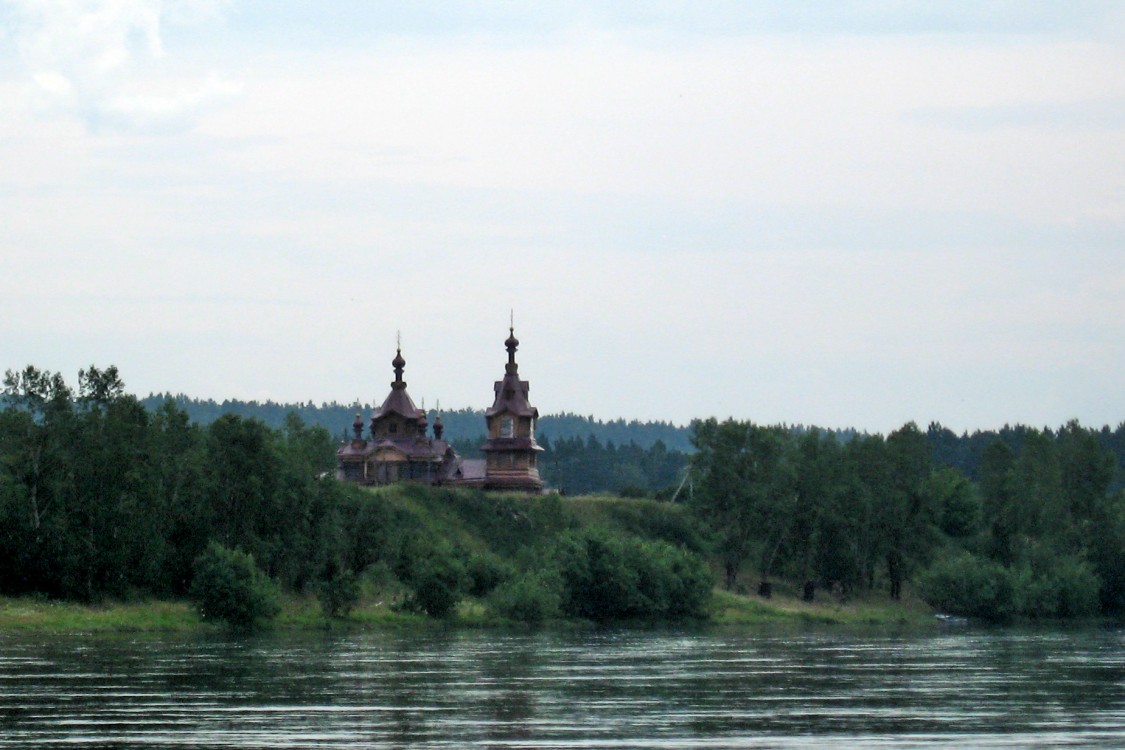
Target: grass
pixel 30 614
pixel 869 611
pixel 33 614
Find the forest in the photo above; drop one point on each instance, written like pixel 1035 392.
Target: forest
pixel 585 454
pixel 105 495
pixel 1039 534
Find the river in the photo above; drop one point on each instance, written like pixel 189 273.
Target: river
pixel 593 689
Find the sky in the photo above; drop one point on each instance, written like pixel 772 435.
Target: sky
pixel 849 214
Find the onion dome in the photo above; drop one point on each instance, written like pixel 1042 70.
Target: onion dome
pixel 399 364
pixel 512 344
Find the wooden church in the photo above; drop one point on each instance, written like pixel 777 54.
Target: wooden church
pixel 400 448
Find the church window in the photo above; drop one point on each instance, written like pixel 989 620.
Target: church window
pixel 506 426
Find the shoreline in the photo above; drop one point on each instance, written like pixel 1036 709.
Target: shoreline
pixel 31 615
pixel 36 615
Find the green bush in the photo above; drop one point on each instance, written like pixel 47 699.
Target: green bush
pixel 1065 587
pixel 486 571
pixel 968 585
pixel 606 577
pixel 690 577
pixel 529 597
pixel 339 594
pixel 228 586
pixel 437 580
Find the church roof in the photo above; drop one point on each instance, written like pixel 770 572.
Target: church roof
pixel 414 448
pixel 398 401
pixel 512 443
pixel 472 470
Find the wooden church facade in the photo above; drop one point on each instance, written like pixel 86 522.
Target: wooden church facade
pixel 398 447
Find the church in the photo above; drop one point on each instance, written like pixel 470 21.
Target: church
pixel 401 448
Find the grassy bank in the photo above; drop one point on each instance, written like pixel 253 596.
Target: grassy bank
pixel 34 615
pixel 732 609
pixel 37 615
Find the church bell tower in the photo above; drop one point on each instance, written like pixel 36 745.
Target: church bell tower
pixel 511 451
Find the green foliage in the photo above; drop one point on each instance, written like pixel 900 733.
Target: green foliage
pixel 530 597
pixel 968 585
pixel 955 501
pixel 229 587
pixel 486 571
pixel 1055 587
pixel 339 593
pixel 745 489
pixel 1058 587
pixel 578 465
pixel 100 497
pixel 1107 540
pixel 438 581
pixel 607 577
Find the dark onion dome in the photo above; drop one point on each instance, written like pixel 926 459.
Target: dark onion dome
pixel 398 363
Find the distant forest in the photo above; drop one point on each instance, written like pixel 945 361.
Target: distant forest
pixel 584 454
pixel 460 424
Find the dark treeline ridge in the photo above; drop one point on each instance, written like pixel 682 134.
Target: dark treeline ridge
pixel 585 454
pixel 582 454
pixel 460 424
pixel 1039 533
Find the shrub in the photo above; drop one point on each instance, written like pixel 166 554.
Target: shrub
pixel 229 587
pixel 486 571
pixel 968 585
pixel 1065 587
pixel 339 594
pixel 437 580
pixel 690 575
pixel 604 577
pixel 529 597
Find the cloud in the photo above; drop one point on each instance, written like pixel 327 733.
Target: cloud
pixel 105 62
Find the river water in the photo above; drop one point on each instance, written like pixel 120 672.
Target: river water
pixel 599 689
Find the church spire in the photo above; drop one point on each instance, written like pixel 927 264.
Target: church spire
pixel 512 344
pixel 399 364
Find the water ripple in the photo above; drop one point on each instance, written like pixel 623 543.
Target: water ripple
pixel 605 689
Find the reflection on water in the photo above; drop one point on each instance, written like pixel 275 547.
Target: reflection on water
pixel 603 689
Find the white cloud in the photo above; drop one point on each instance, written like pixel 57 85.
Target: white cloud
pixel 105 61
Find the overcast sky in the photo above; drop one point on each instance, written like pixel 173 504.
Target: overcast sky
pixel 859 216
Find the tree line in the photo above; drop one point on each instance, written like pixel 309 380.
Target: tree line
pixel 1039 533
pixel 460 424
pixel 101 496
pixel 585 441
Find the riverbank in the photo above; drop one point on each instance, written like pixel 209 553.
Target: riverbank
pixel 32 614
